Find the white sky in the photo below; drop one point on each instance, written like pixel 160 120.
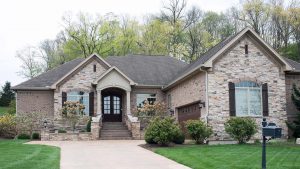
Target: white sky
pixel 28 22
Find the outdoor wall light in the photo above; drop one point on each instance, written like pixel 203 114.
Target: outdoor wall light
pixel 201 104
pixel 45 123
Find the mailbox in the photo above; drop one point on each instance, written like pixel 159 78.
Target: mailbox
pixel 271 130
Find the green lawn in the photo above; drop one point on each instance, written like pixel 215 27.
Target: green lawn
pixel 3 110
pixel 16 155
pixel 233 156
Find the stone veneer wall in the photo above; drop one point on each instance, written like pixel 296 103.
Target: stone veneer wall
pixel 189 91
pixel 234 66
pixel 35 101
pixel 160 95
pixel 82 80
pixel 291 79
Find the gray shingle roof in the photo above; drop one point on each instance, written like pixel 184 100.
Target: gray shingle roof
pixel 45 80
pixel 148 70
pixel 205 57
pixel 294 64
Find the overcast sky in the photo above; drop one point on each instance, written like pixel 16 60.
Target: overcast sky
pixel 28 22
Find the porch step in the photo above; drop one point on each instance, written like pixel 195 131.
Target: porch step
pixel 115 131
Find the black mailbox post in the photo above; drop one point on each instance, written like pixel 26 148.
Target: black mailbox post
pixel 268 130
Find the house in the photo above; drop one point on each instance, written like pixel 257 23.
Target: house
pixel 240 76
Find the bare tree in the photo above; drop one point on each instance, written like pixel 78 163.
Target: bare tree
pixel 31 67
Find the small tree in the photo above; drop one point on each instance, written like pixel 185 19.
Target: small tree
pixel 155 109
pixel 7 95
pixel 241 128
pixel 295 125
pixel 28 122
pixel 198 130
pixel 72 112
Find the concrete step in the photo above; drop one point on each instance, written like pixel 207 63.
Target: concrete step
pixel 115 138
pixel 115 135
pixel 114 128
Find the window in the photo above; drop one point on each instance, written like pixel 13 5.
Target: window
pixel 81 97
pixel 141 99
pixel 169 101
pixel 248 99
pixel 95 68
pixel 246 49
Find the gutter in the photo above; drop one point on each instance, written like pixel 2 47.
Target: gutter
pixel 206 95
pixel 31 88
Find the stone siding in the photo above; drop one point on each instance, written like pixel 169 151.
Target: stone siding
pixel 82 81
pixel 189 91
pixel 35 101
pixel 234 66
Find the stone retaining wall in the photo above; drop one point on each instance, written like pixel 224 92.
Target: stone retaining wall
pixel 46 136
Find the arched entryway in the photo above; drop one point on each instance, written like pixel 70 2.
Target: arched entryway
pixel 112 104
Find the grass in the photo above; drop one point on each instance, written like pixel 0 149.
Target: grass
pixel 15 155
pixel 3 110
pixel 233 156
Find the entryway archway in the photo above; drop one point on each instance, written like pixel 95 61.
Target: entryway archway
pixel 112 104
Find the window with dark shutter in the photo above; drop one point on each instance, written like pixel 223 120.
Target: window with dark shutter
pixel 91 105
pixel 63 98
pixel 231 98
pixel 265 99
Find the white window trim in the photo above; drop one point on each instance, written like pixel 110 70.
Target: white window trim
pixel 248 102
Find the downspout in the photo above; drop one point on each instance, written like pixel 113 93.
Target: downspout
pixel 206 95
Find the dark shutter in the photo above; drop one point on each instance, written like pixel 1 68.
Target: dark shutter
pixel 265 101
pixel 91 104
pixel 63 98
pixel 231 98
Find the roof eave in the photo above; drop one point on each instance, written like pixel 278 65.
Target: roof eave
pixel 31 88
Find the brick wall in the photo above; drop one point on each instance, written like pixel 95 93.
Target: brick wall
pixel 35 101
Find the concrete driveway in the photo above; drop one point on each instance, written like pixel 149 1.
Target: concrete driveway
pixel 109 154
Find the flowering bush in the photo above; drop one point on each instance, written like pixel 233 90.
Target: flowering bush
pixel 8 126
pixel 28 122
pixel 155 109
pixel 72 112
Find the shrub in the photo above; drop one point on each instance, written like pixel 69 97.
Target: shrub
pixel 61 131
pixel 241 128
pixel 161 130
pixel 88 126
pixel 35 136
pixel 23 136
pixel 8 126
pixel 179 137
pixel 198 130
pixel 72 112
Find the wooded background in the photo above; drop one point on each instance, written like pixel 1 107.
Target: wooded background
pixel 179 30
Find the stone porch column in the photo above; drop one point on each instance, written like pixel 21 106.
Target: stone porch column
pixel 128 102
pixel 99 108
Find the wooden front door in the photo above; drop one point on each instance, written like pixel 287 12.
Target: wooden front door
pixel 112 108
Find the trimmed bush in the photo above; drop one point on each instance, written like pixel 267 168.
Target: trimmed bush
pixel 161 130
pixel 35 136
pixel 198 130
pixel 23 136
pixel 179 137
pixel 241 128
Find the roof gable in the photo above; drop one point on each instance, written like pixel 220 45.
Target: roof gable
pixel 207 59
pixel 79 67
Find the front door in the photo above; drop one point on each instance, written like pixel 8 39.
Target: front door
pixel 112 108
